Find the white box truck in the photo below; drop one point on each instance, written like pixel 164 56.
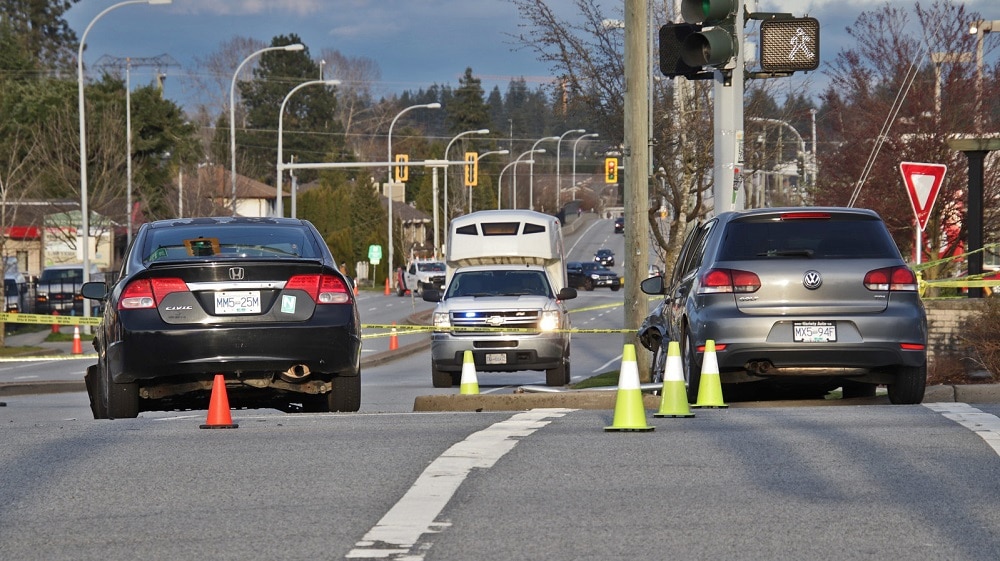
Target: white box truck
pixel 504 298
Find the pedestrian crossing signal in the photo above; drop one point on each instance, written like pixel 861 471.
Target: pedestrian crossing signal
pixel 471 169
pixel 611 170
pixel 402 173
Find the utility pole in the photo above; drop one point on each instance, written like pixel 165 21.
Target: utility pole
pixel 636 156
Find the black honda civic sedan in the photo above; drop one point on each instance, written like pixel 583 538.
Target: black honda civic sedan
pixel 259 300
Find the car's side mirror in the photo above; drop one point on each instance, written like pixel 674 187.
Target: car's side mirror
pixel 652 285
pixel 97 290
pixel 567 293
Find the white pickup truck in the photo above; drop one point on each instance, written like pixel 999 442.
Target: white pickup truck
pixel 504 298
pixel 420 275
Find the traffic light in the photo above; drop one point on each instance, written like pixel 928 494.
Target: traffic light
pixel 402 173
pixel 611 170
pixel 715 40
pixel 672 36
pixel 471 169
pixel 789 44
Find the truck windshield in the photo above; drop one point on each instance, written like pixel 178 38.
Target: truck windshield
pixel 499 283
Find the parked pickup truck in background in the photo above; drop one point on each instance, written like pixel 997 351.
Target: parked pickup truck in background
pixel 420 275
pixel 58 289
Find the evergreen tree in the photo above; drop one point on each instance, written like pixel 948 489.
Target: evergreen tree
pixel 467 110
pixel 41 31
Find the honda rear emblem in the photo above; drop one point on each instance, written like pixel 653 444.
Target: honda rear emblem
pixel 236 273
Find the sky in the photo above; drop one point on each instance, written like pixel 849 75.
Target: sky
pixel 416 43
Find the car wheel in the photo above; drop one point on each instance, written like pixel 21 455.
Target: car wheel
pixel 851 389
pixel 692 366
pixel 440 378
pixel 908 388
pixel 615 287
pixel 92 379
pixel 122 399
pixel 345 394
pixel 659 367
pixel 588 285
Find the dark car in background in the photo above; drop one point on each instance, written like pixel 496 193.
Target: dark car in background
pixel 605 257
pixel 620 225
pixel 589 275
pixel 800 300
pixel 259 300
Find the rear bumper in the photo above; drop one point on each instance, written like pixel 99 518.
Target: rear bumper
pixel 197 352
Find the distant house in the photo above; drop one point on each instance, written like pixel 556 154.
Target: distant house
pixel 253 198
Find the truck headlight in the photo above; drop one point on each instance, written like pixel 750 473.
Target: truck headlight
pixel 441 320
pixel 549 321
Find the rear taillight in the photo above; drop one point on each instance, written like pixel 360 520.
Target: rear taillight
pixel 892 279
pixel 716 281
pixel 148 293
pixel 324 289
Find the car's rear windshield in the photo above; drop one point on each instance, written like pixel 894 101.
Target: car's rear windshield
pixel 182 243
pixel 809 238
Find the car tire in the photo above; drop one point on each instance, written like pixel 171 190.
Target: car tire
pixel 92 380
pixel 658 369
pixel 588 285
pixel 691 364
pixel 440 378
pixel 122 399
pixel 615 287
pixel 909 386
pixel 345 395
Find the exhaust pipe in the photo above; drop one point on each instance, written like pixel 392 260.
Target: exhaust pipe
pixel 296 373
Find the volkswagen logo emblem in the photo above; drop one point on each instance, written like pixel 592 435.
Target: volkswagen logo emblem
pixel 812 280
pixel 236 273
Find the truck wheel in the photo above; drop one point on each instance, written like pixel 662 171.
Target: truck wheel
pixel 558 376
pixel 588 285
pixel 345 394
pixel 440 378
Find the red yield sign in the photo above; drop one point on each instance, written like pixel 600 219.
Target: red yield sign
pixel 922 184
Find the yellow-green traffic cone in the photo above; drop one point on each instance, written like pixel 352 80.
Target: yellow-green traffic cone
pixel 674 402
pixel 710 387
pixel 470 384
pixel 630 413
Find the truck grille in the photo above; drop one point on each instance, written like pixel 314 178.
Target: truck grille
pixel 495 319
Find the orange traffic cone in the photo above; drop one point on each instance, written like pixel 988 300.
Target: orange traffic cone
pixel 387 291
pixel 218 407
pixel 393 341
pixel 77 346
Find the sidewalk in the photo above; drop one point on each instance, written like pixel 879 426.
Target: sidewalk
pixel 37 339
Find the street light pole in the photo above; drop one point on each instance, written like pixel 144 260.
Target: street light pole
pixel 531 173
pixel 980 28
pixel 480 157
pixel 575 142
pixel 84 210
pixel 279 210
pixel 388 183
pixel 447 217
pixel 232 112
pixel 558 175
pixel 500 179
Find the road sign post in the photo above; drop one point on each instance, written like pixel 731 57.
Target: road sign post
pixel 923 181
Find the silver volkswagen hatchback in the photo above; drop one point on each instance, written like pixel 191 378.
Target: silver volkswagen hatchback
pixel 807 298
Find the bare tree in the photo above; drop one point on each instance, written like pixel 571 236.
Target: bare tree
pixel 883 108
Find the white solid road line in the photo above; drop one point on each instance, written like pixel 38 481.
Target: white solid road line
pixel 985 425
pixel 397 535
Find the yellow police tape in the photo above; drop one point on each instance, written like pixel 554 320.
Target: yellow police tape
pixel 14 317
